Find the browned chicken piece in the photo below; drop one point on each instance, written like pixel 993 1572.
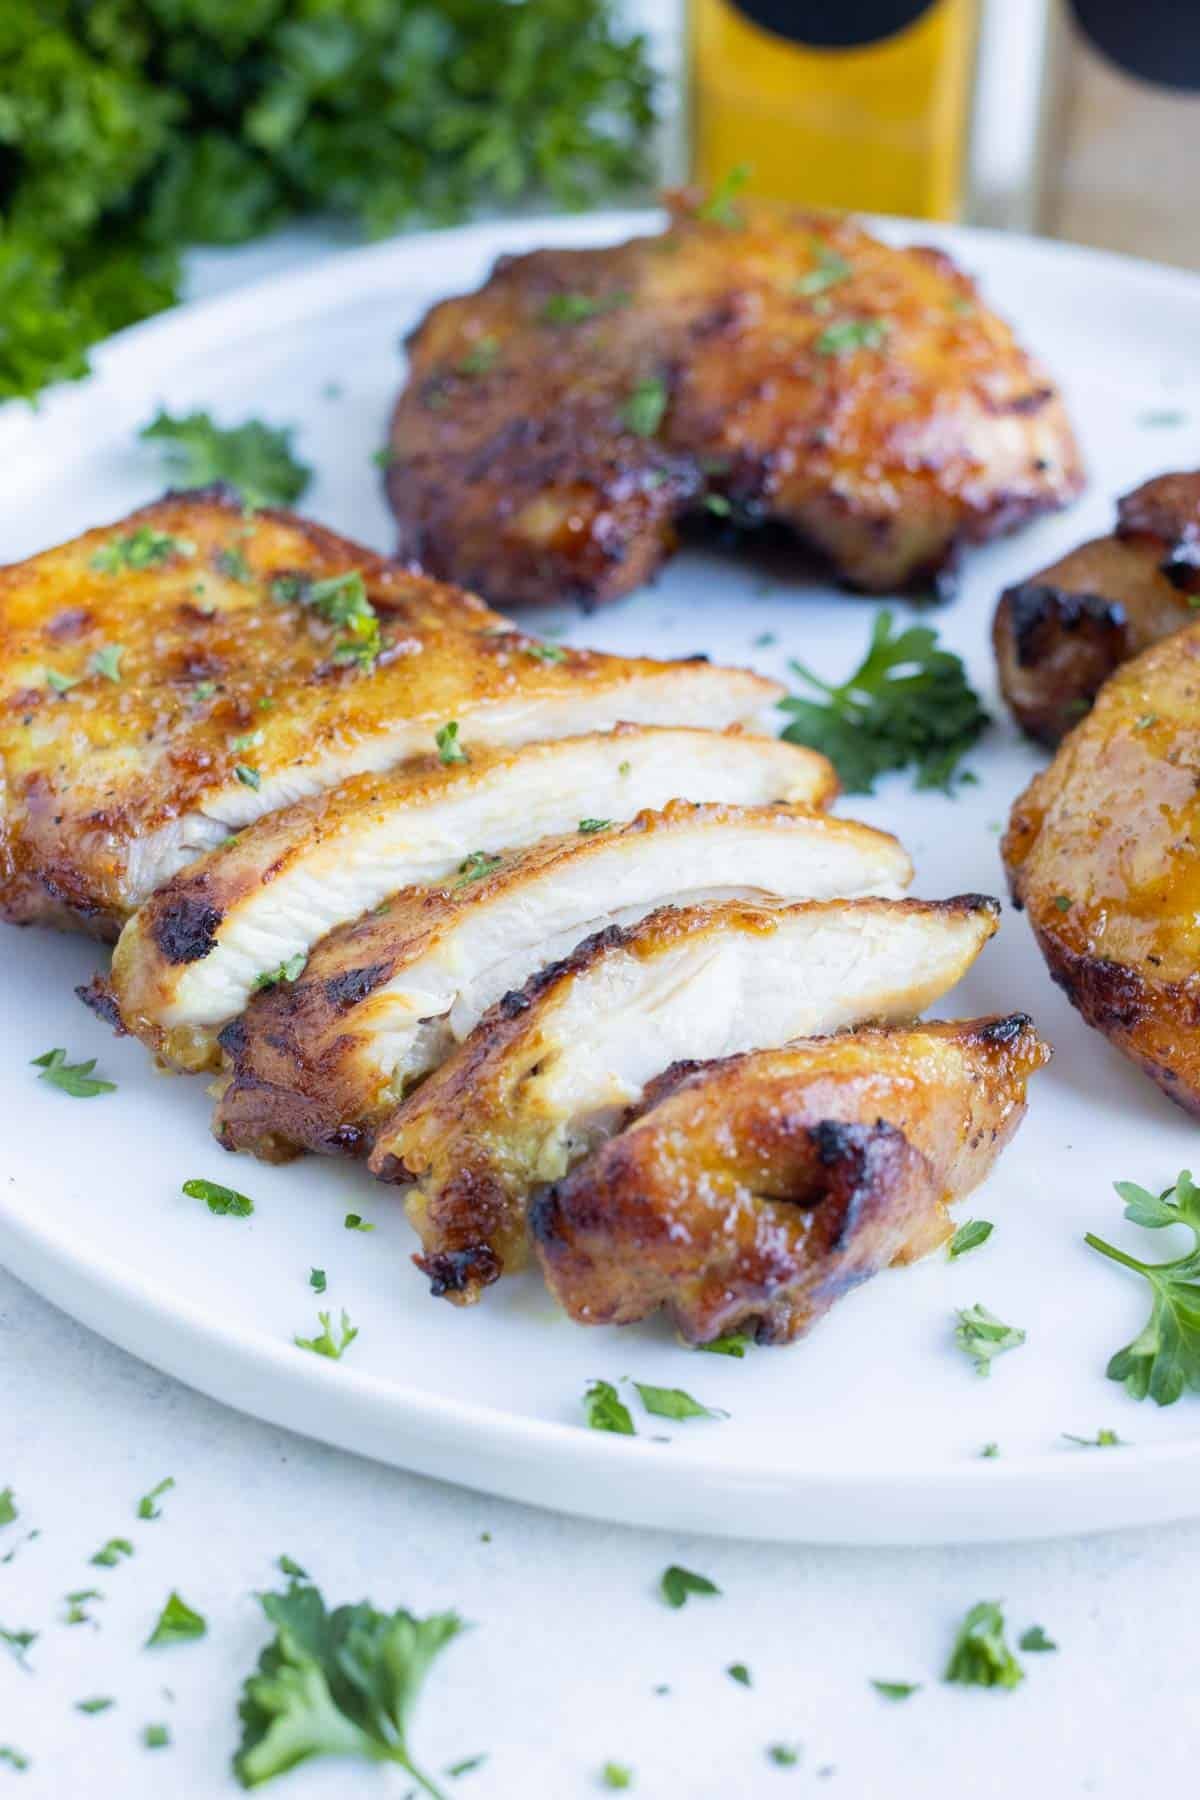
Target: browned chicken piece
pixel 167 680
pixel 1103 850
pixel 550 1071
pixel 767 365
pixel 748 1195
pixel 265 899
pixel 1060 635
pixel 318 1061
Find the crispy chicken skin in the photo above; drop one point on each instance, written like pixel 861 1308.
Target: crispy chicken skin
pixel 750 1194
pixel 553 1067
pixel 1060 634
pixel 319 1060
pixel 190 958
pixel 226 700
pixel 804 372
pixel 1103 851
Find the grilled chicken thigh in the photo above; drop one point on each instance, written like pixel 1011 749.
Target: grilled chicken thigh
pixel 190 958
pixel 319 1061
pixel 1103 851
pixel 750 1194
pixel 1060 634
pixel 169 679
pixel 551 1069
pixel 766 364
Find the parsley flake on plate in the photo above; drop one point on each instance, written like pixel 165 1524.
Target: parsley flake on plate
pixel 60 684
pixel 156 1737
pixel 448 747
pixel 75 1079
pixel 325 1344
pixel 740 1673
pixel 734 1344
pixel 1164 1358
pixel 248 776
pixel 218 1199
pixel 675 1403
pixel 8 1507
pixel 255 458
pixel 100 1704
pixel 606 1411
pixel 643 411
pixel 589 827
pixel 1105 1439
pixel 616 1775
pixel 907 705
pixel 984 1337
pixel 177 1623
pixel 110 1554
pixel 970 1236
pixel 784 1756
pixel 896 1690
pixel 289 1566
pixel 77 1605
pixel 1035 1639
pixel 144 548
pixel 981 1656
pixel 316 1280
pixel 18 1642
pixel 467 1765
pixel 146 1508
pixel 340 1683
pixel 16 1759
pixel 546 653
pixel 291 970
pixel 676 1584
pixel 356 1222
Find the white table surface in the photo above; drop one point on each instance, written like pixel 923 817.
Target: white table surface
pixel 570 1639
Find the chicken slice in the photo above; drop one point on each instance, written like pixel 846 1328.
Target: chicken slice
pixel 1103 852
pixel 1060 634
pixel 748 1195
pixel 551 1069
pixel 167 680
pixel 190 958
pixel 319 1061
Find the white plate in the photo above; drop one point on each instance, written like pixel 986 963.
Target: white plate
pixel 869 1432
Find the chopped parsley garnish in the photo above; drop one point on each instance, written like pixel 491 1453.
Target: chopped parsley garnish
pixel 674 1403
pixel 325 1344
pixel 784 1756
pixel 356 1222
pixel 8 1507
pixel 676 1584
pixel 18 1642
pixel 77 1605
pixel 204 690
pixel 100 1704
pixel 846 335
pixel 740 1673
pixel 990 1451
pixel 177 1623
pixel 291 970
pixel 970 1236
pixel 144 548
pixel 231 563
pixel 734 1343
pixel 481 358
pixel 146 1508
pixel 61 684
pixel 156 1737
pixel 616 1775
pixel 908 704
pixel 249 740
pixel 467 1765
pixel 624 768
pixel 1105 1439
pixel 1035 1639
pixel 107 662
pixel 75 1079
pixel 719 208
pixel 254 458
pixel 605 1410
pixel 573 309
pixel 546 653
pixel 342 600
pixel 896 1690
pixel 981 1657
pixel 15 1759
pixel 385 456
pixel 718 505
pixel 829 271
pixel 110 1554
pixel 340 1683
pixel 475 866
pixel 218 1199
pixel 316 1280
pixel 448 747
pixel 247 776
pixel 1164 1358
pixel 588 827
pixel 984 1337
pixel 643 412
pixel 1063 902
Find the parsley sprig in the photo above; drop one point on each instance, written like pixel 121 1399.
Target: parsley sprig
pixel 908 704
pixel 1164 1358
pixel 340 1683
pixel 254 458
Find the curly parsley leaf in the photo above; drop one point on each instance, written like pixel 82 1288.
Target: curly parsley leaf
pixel 218 1199
pixel 177 1623
pixel 75 1079
pixel 675 1403
pixel 606 1411
pixel 907 705
pixel 984 1337
pixel 981 1656
pixel 325 1344
pixel 1164 1358
pixel 340 1683
pixel 254 458
pixel 676 1584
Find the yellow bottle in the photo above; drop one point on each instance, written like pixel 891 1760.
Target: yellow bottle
pixel 863 104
